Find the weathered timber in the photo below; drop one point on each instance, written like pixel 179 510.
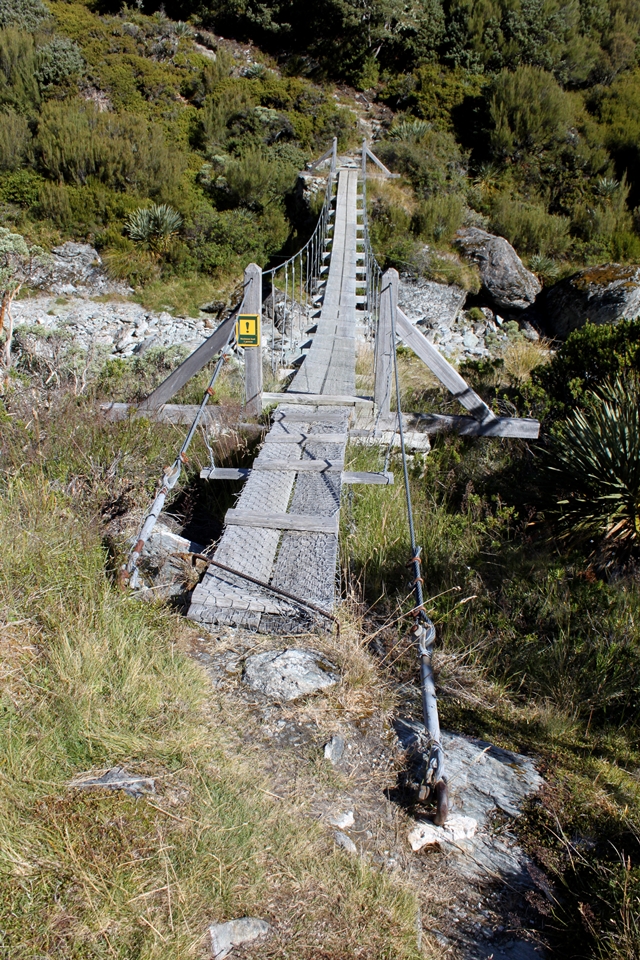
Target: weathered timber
pixel 443 370
pixel 179 413
pixel 384 345
pixel 319 399
pixel 301 466
pixel 192 365
pixel 225 473
pixel 362 476
pixel 253 355
pixel 347 476
pixel 280 436
pixel 523 427
pixel 283 521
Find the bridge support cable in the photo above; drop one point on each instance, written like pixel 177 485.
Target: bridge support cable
pixel 434 784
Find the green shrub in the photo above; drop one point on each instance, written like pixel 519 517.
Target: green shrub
pixel 596 452
pixel 18 64
pixel 15 138
pixel 439 217
pixel 76 143
pixel 23 14
pixel 588 358
pixel 434 164
pixel 529 227
pixel 528 111
pixel 59 62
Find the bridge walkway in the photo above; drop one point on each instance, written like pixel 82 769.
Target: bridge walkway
pixel 284 529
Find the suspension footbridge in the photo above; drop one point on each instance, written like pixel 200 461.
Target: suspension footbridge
pixel 274 567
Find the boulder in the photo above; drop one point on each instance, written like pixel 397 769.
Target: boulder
pixel 76 268
pixel 504 276
pixel 288 674
pixel 603 294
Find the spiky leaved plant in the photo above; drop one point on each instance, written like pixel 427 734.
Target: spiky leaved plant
pixel 597 452
pixel 154 227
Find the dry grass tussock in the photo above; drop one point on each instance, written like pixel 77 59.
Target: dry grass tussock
pixel 93 678
pixel 521 356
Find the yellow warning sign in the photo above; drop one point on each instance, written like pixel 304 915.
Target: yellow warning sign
pixel 248 330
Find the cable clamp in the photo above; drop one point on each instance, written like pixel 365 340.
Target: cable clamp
pixel 209 390
pixel 184 458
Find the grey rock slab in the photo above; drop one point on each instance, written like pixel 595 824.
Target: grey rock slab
pixel 484 779
pixel 344 842
pixel 117 778
pixel 504 276
pixel 603 294
pixel 75 267
pixel 226 936
pixel 288 674
pixel 334 748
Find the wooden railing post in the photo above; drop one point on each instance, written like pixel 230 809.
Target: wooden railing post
pixel 384 342
pixel 253 355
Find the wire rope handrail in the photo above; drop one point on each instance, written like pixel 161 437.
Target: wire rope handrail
pixel 295 285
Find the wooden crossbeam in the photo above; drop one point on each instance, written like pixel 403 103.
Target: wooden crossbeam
pixel 189 367
pixel 320 399
pixel 303 437
pixel 348 476
pixel 303 523
pixel 300 466
pixel 443 370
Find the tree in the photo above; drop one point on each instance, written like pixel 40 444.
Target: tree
pixel 18 261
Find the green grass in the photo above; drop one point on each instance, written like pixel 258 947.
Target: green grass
pixel 93 678
pixel 535 653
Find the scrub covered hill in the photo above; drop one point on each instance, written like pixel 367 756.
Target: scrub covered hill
pixel 102 115
pixel 524 111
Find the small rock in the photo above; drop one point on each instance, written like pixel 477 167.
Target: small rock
pixel 334 748
pixel 343 820
pixel 226 936
pixel 428 835
pixel 344 842
pixel 117 779
pixel 288 674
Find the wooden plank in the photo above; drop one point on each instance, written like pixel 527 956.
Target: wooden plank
pixel 442 369
pixel 358 476
pixel 328 417
pixel 523 427
pixel 384 345
pixel 319 399
pixel 301 466
pixel 283 521
pixel 192 365
pixel 275 436
pixel 225 473
pixel 253 355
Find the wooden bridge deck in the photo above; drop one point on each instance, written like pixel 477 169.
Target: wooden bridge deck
pixel 298 549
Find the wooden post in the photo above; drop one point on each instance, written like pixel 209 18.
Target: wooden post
pixel 384 342
pixel 253 355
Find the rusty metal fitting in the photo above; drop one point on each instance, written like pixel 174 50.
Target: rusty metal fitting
pixel 209 390
pixel 184 458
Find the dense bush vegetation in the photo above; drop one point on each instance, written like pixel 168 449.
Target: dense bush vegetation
pixel 102 114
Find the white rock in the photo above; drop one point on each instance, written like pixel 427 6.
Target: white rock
pixel 428 835
pixel 343 820
pixel 226 936
pixel 334 748
pixel 345 842
pixel 288 674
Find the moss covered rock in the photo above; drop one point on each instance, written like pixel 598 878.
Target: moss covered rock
pixel 604 294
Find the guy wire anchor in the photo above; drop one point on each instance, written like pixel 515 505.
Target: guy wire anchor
pixel 434 783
